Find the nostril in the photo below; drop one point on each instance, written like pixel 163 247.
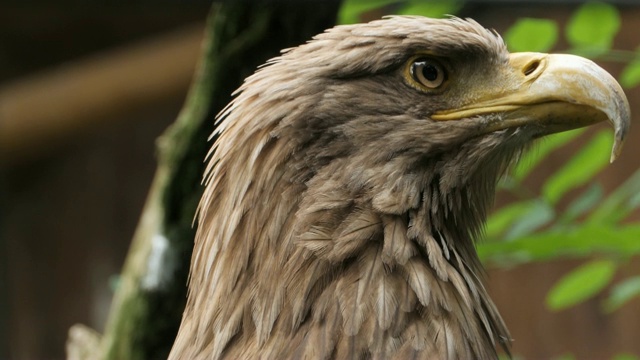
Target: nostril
pixel 531 67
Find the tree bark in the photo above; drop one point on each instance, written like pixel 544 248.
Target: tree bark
pixel 148 304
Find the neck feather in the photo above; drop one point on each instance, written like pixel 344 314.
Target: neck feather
pixel 292 260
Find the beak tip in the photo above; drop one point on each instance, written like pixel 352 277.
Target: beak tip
pixel 621 126
pixel 616 150
pixel 619 115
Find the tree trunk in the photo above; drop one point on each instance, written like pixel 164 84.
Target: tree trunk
pixel 148 304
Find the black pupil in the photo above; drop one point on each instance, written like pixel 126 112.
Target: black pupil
pixel 430 72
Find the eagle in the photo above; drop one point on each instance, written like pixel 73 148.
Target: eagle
pixel 349 180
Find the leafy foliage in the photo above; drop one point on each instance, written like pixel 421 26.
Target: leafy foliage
pixel 537 228
pixel 518 37
pixel 623 292
pixel 630 76
pixel 592 28
pixel 582 283
pixel 353 10
pixel 625 357
pixel 580 169
pixel 592 225
pixel 434 9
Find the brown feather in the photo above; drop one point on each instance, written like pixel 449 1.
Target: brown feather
pixel 397 246
pixel 338 220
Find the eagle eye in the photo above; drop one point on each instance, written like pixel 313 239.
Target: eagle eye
pixel 427 72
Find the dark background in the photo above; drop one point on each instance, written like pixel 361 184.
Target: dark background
pixel 72 188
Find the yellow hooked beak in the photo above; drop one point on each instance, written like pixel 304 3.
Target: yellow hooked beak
pixel 554 92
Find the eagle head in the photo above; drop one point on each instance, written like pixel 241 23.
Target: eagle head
pixel 349 180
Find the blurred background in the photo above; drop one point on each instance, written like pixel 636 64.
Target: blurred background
pixel 84 93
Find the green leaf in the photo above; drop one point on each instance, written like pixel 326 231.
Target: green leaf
pixel 512 357
pixel 625 356
pixel 592 28
pixel 581 168
pixel 630 76
pixel 536 216
pixel 351 10
pixel 580 284
pixel 567 356
pixel 543 148
pixel 500 220
pixel 585 202
pixel 623 292
pixel 619 203
pixel 528 34
pixel 564 242
pixel 431 8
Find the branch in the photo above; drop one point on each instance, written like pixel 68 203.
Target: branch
pixel 148 304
